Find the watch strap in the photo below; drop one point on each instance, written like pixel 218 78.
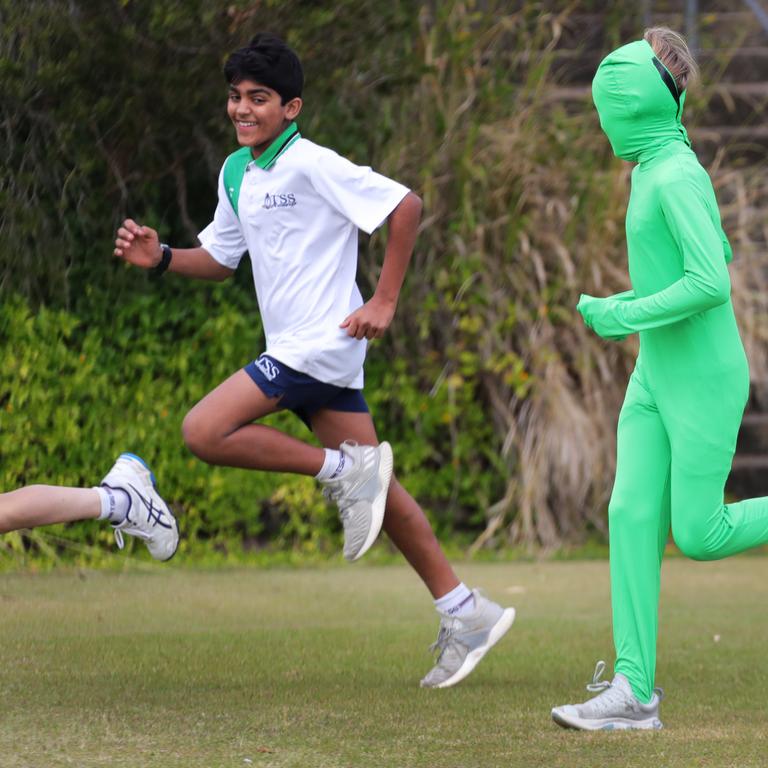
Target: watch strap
pixel 165 260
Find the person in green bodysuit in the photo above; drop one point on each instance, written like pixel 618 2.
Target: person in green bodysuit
pixel 678 426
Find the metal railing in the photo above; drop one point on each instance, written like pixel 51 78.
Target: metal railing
pixel 757 9
pixel 692 18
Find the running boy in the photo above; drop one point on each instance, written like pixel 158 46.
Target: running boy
pixel 296 208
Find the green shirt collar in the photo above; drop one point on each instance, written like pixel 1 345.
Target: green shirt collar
pixel 270 155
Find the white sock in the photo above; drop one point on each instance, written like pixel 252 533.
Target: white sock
pixel 114 503
pixel 336 465
pixel 458 602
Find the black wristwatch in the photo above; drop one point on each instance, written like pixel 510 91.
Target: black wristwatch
pixel 165 260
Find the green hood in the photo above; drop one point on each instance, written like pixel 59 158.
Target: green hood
pixel 636 99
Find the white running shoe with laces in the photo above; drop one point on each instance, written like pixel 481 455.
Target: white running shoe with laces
pixel 463 641
pixel 615 708
pixel 361 495
pixel 148 516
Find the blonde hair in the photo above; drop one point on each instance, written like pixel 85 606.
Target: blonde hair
pixel 673 53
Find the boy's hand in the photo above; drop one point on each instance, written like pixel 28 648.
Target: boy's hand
pixel 371 320
pixel 138 245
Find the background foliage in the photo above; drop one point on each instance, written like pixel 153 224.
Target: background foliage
pixel 500 405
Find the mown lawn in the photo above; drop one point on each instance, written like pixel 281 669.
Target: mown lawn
pixel 268 667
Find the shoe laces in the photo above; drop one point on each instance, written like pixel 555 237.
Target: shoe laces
pixel 336 495
pixel 608 693
pixel 445 634
pixel 609 696
pixel 597 684
pixel 449 625
pixel 129 527
pixel 335 490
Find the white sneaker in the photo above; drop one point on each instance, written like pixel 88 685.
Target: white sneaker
pixel 148 516
pixel 463 641
pixel 361 495
pixel 616 708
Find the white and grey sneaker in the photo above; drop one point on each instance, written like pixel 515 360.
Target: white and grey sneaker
pixel 148 516
pixel 615 708
pixel 361 495
pixel 462 642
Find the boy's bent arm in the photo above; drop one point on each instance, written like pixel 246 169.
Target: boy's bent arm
pixel 140 245
pixel 198 263
pixel 372 319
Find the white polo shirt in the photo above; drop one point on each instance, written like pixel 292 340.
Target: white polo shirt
pixel 299 222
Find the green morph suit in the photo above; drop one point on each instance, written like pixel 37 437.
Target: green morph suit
pixel 685 399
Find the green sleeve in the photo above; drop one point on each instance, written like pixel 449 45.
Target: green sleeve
pixel 705 282
pixel 623 296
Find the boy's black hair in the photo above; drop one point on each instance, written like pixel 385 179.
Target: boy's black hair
pixel 269 61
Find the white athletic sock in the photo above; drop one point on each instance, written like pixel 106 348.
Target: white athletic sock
pixel 458 602
pixel 336 465
pixel 114 504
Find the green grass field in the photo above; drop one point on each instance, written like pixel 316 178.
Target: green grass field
pixel 271 667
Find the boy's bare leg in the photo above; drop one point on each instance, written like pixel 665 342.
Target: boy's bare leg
pixel 36 505
pixel 128 485
pixel 220 430
pixel 404 520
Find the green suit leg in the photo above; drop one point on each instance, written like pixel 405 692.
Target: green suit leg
pixel 703 427
pixel 639 518
pixel 673 461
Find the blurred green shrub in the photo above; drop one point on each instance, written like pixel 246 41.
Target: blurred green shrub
pixel 76 392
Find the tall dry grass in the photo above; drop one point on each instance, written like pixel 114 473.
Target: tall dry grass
pixel 526 210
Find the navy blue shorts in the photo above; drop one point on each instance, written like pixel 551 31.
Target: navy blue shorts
pixel 299 392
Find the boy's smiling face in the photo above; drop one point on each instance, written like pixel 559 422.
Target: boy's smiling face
pixel 258 114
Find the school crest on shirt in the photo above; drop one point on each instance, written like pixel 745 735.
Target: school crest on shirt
pixel 287 200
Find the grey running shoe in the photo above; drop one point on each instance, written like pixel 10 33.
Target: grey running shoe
pixel 361 495
pixel 148 516
pixel 462 642
pixel 615 708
